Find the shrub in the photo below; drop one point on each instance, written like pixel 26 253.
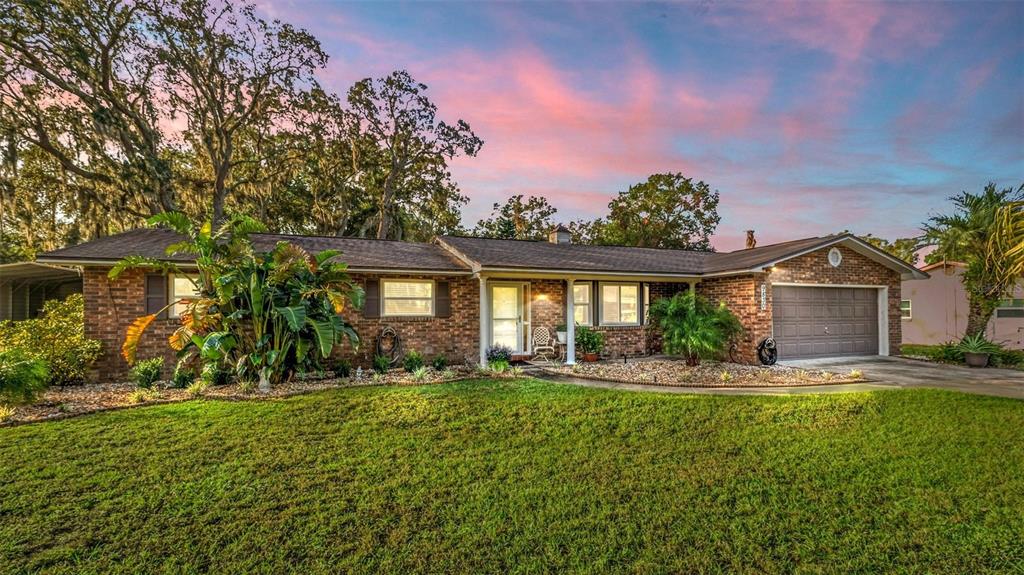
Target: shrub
pixel 515 371
pixel 448 374
pixel 246 386
pixel 57 338
pixel 419 374
pixel 214 374
pixel 498 353
pixel 439 363
pixel 343 369
pixel 381 364
pixel 183 375
pixel 949 352
pixel 1008 358
pixel 498 366
pixel 147 372
pixel 6 412
pixel 693 327
pixel 22 376
pixel 856 374
pixel 588 340
pixel 197 389
pixel 413 360
pixel 142 395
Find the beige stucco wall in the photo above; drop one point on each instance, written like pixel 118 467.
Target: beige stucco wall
pixel 939 311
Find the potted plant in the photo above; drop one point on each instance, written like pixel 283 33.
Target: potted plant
pixel 589 343
pixel 560 333
pixel 977 350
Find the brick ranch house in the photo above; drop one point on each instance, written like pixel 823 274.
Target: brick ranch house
pixel 456 296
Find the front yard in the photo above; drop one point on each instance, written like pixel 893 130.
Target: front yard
pixel 521 476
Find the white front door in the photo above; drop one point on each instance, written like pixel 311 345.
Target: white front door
pixel 507 315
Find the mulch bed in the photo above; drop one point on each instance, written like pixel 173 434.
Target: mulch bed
pixel 708 374
pixel 70 401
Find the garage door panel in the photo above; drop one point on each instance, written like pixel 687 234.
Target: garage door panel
pixel 823 321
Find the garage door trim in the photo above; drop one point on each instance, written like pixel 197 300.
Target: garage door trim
pixel 883 307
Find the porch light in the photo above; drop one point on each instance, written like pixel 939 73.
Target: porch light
pixel 542 297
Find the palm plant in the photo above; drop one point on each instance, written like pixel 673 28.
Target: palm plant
pixel 986 232
pixel 693 327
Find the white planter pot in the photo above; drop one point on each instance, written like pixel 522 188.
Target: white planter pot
pixel 561 336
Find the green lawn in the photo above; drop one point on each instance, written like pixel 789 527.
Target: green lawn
pixel 521 477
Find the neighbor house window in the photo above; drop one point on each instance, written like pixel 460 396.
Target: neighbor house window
pixel 1010 308
pixel 407 298
pixel 619 304
pixel 182 287
pixel 581 303
pixel 905 309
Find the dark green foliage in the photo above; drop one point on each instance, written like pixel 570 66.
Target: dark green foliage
pixel 343 368
pixel 412 361
pixel 521 477
pixel 22 376
pixel 693 327
pixel 182 378
pixel 588 340
pixel 1008 358
pixel 439 363
pixel 498 353
pixel 381 363
pixel 518 219
pixel 57 338
pixel 977 344
pixel 147 372
pixel 215 374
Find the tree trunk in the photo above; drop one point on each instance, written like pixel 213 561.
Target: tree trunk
pixel 978 315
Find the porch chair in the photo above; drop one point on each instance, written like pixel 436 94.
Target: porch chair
pixel 543 344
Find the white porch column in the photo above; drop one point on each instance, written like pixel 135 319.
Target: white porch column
pixel 570 324
pixel 485 313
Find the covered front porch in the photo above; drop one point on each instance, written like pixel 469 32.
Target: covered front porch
pixel 518 308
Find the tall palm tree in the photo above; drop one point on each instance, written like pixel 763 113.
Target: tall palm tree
pixel 986 232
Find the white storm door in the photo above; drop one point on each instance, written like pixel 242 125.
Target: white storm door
pixel 507 315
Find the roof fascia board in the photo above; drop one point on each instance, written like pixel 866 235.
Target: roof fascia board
pixel 474 265
pixel 908 270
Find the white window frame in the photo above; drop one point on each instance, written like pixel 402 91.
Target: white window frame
pixel 910 309
pixel 384 298
pixel 589 303
pixel 173 296
pixel 1012 306
pixel 600 302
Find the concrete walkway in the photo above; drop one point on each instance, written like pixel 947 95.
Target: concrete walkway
pixel 882 373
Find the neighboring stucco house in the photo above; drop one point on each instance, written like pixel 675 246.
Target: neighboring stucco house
pixel 456 296
pixel 935 310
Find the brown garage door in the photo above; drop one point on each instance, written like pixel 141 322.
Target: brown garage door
pixel 824 321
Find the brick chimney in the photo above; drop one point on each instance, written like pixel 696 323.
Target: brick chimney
pixel 560 235
pixel 751 241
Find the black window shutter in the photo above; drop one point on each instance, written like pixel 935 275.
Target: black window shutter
pixel 640 307
pixel 442 299
pixel 371 305
pixel 595 303
pixel 156 294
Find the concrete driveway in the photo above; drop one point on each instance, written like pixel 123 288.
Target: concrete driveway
pixel 907 373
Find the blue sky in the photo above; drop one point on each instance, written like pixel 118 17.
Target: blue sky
pixel 807 117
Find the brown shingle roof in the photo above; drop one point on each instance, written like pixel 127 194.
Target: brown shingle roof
pixel 358 253
pixel 530 254
pixel 470 253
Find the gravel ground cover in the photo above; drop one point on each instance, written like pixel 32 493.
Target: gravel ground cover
pixel 707 374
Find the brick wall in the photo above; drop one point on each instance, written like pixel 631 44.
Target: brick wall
pixel 456 337
pixel 110 307
pixel 742 293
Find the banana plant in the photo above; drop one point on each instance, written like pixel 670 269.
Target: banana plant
pixel 266 314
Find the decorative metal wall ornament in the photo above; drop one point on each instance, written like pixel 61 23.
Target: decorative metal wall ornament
pixel 389 344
